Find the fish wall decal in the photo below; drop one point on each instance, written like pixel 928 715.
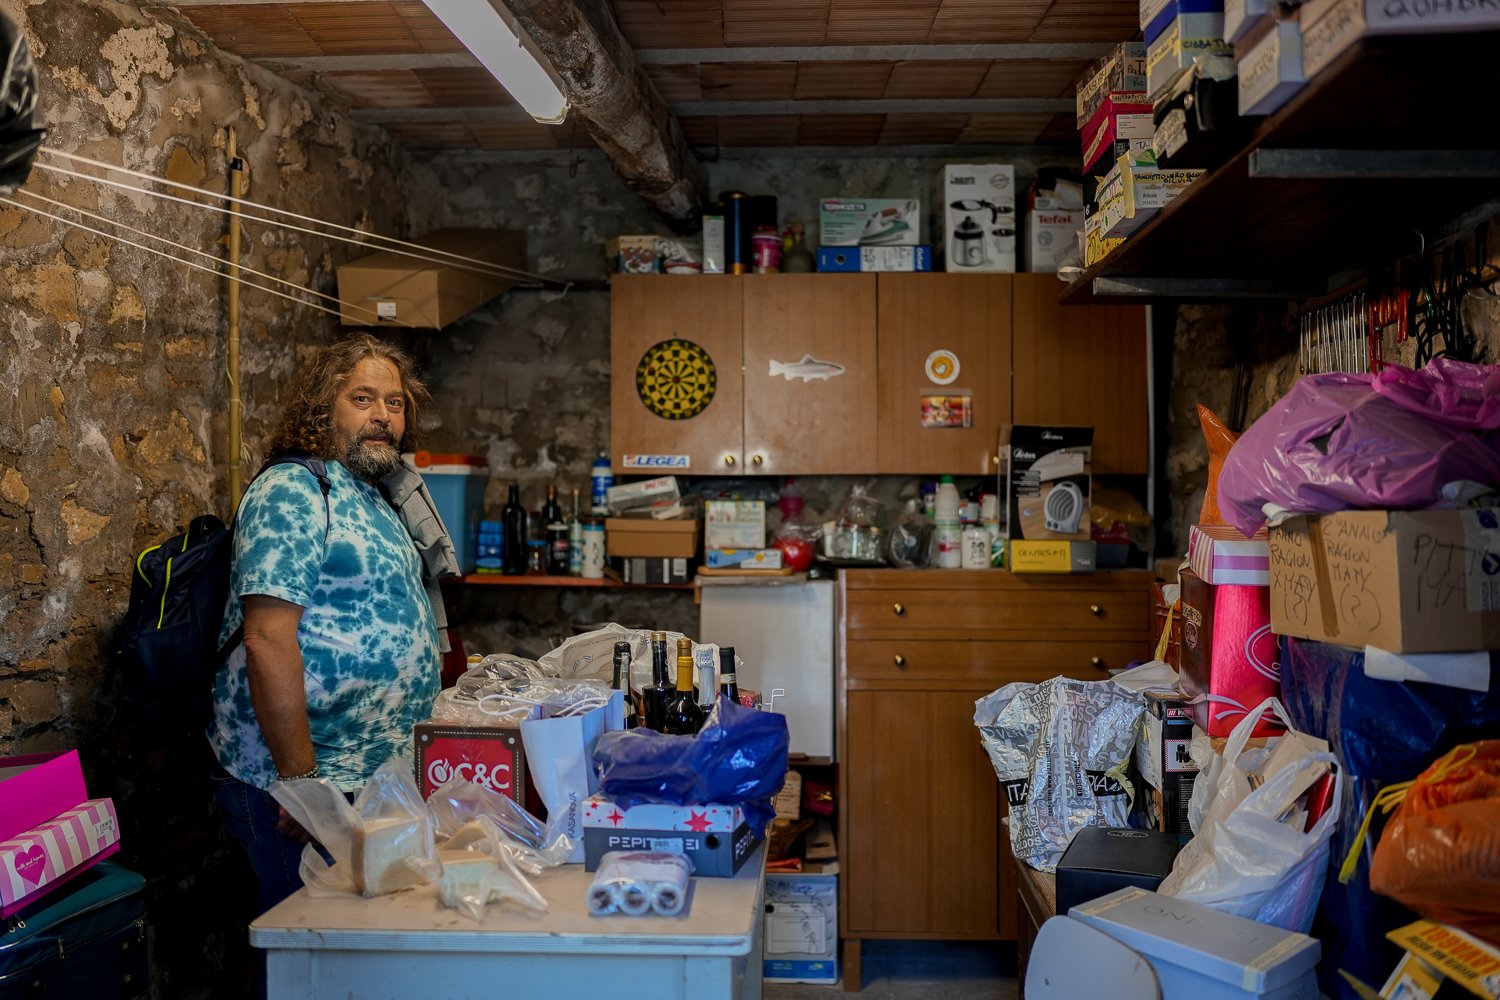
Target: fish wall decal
pixel 807 369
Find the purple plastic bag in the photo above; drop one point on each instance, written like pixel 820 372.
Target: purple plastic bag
pixel 1388 441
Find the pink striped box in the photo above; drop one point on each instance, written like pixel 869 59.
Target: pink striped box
pixel 1219 554
pixel 37 787
pixel 42 858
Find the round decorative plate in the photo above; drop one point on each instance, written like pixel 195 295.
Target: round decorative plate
pixel 676 379
pixel 942 367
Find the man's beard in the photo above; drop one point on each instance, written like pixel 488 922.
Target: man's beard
pixel 370 461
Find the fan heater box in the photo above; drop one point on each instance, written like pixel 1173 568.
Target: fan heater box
pixel 1044 476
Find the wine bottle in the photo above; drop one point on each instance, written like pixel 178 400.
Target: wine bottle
pixel 728 683
pixel 684 717
pixel 513 526
pixel 654 696
pixel 551 510
pixel 621 680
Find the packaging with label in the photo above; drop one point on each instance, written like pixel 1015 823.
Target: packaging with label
pixel 1096 246
pixel 872 222
pixel 492 756
pixel 746 559
pixel 1240 15
pixel 1230 659
pixel 1188 37
pixel 37 860
pixel 1051 238
pixel 1121 118
pixel 1330 27
pixel 1045 476
pixel 713 244
pixel 644 569
pixel 1270 67
pixel 632 254
pixel 802 928
pixel 1161 756
pixel 917 258
pixel 628 496
pixel 1124 70
pixel 1048 556
pixel 1218 553
pixel 734 524
pixel 979 217
pixel 716 838
pixel 1174 9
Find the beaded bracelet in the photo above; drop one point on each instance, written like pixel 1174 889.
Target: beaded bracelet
pixel 314 773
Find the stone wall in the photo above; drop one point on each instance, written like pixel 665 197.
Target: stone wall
pixel 113 400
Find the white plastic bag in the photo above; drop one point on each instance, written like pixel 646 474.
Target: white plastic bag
pixel 1223 777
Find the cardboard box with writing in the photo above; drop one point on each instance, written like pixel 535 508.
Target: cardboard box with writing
pixel 716 838
pixel 388 288
pixel 642 536
pixel 1044 477
pixel 801 929
pixel 1404 581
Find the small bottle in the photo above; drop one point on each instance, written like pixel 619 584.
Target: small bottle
pixel 729 686
pixel 790 501
pixel 551 510
pixel 683 716
pixel 513 521
pixel 593 550
pixel 557 548
pixel 797 259
pixel 621 681
pixel 575 540
pixel 536 557
pixel 654 696
pixel 949 529
pixel 603 477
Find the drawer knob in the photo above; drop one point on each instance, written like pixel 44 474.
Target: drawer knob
pixel 1098 662
pixel 728 459
pixel 899 609
pixel 757 460
pixel 1095 610
pixel 900 660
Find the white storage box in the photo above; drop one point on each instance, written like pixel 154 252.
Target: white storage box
pixel 802 928
pixel 979 217
pixel 1271 70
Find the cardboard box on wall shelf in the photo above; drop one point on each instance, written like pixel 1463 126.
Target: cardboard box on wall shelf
pixel 1403 581
pixel 1051 238
pixel 387 288
pixel 1329 27
pixel 855 222
pixel 979 217
pixel 1269 61
pixel 866 259
pixel 647 569
pixel 644 536
pixel 734 524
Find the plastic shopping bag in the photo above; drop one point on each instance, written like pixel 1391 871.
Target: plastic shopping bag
pixel 560 754
pixel 1223 778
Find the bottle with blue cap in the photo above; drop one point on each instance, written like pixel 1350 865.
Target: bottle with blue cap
pixel 603 477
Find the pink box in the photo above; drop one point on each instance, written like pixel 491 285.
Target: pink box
pixel 40 859
pixel 1229 654
pixel 37 787
pixel 1220 554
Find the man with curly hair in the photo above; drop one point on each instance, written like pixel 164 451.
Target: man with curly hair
pixel 341 650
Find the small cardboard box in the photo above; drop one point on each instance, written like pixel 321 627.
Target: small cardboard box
pixel 1202 953
pixel 1051 237
pixel 492 756
pixel 388 288
pixel 916 258
pixel 1270 67
pixel 1045 480
pixel 1220 554
pixel 1162 757
pixel 1240 15
pixel 36 861
pixel 37 787
pixel 862 222
pixel 717 839
pixel 1124 69
pixel 644 569
pixel 1096 246
pixel 633 254
pixel 979 216
pixel 644 536
pixel 734 524
pixel 1119 117
pixel 1404 581
pixel 1230 658
pixel 1329 27
pixel 801 929
pixel 1187 37
pixel 747 559
pixel 1050 556
pixel 1099 860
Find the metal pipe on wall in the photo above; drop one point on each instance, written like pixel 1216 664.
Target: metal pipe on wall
pixel 236 191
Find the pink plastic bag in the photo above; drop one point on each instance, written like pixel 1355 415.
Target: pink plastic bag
pixel 1388 441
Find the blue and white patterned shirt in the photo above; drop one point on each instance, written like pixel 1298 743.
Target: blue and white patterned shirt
pixel 368 637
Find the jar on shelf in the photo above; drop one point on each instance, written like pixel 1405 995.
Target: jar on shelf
pixel 765 248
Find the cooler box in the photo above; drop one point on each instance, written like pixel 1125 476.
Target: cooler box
pixel 86 939
pixel 457 484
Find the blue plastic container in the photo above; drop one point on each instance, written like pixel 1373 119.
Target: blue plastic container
pixel 457 484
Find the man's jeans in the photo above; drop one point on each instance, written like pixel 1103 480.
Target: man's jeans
pixel 250 814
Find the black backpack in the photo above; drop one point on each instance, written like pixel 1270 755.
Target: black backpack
pixel 168 649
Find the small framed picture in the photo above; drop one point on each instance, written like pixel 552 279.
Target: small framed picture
pixel 947 410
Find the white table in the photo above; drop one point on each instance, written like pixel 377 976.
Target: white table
pixel 408 945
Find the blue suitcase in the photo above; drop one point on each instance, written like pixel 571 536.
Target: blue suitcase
pixel 86 939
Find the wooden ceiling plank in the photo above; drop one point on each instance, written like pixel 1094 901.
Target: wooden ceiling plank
pixel 930 79
pixel 826 81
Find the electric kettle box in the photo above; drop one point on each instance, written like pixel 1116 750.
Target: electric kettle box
pixel 1045 475
pixel 979 217
pixel 869 222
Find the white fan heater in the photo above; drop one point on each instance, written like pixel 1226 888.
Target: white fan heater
pixel 1064 508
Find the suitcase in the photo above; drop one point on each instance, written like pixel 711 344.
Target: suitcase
pixel 86 939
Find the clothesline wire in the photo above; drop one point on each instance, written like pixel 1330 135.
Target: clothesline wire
pixel 389 244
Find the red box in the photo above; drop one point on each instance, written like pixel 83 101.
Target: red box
pixel 1229 654
pixel 36 788
pixel 488 755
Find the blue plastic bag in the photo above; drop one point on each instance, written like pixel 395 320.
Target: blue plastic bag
pixel 737 758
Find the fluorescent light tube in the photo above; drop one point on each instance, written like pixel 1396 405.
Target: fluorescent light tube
pixel 490 32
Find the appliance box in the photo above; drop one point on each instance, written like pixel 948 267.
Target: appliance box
pixel 1220 554
pixel 1045 480
pixel 649 569
pixel 1161 755
pixel 39 859
pixel 801 940
pixel 836 259
pixel 37 787
pixel 492 756
pixel 1229 654
pixel 979 217
pixel 1099 861
pixel 642 536
pixel 1198 952
pixel 734 524
pixel 854 222
pixel 393 289
pixel 1051 238
pixel 1270 70
pixel 1403 581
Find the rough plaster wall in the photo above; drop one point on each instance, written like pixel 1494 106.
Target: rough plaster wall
pixel 112 407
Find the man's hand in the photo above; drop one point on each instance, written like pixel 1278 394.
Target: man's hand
pixel 291 828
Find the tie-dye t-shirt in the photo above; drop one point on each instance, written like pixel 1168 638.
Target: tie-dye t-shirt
pixel 369 641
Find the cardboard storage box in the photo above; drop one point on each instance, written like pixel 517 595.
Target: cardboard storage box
pixel 1230 658
pixel 1099 861
pixel 916 258
pixel 1220 554
pixel 1044 475
pixel 649 569
pixel 1202 953
pixel 394 289
pixel 36 788
pixel 643 536
pixel 734 524
pixel 801 940
pixel 492 756
pixel 1404 581
pixel 36 861
pixel 1050 556
pixel 979 216
pixel 1329 27
pixel 717 839
pixel 1051 238
pixel 1124 70
pixel 1270 67
pixel 1161 755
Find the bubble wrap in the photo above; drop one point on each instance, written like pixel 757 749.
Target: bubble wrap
pixel 1060 749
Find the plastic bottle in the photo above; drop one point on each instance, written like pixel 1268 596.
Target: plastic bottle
pixel 797 258
pixel 790 501
pixel 603 477
pixel 949 530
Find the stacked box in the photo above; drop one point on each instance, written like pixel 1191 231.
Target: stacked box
pixel 1186 38
pixel 717 839
pixel 1122 71
pixel 1268 62
pixel 1161 755
pixel 860 222
pixel 1122 119
pixel 870 259
pixel 50 830
pixel 1230 660
pixel 1330 27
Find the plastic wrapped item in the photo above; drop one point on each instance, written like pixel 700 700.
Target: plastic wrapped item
pixel 1060 749
pixel 739 757
pixel 479 699
pixel 1440 853
pixel 861 508
pixel 1386 441
pixel 467 813
pixel 471 880
pixel 1220 440
pixel 382 843
pixel 634 883
pixel 913 538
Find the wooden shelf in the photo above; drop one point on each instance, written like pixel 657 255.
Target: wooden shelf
pixel 1240 233
pixel 499 580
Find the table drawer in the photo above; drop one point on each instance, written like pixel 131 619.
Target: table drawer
pixel 919 658
pixel 990 614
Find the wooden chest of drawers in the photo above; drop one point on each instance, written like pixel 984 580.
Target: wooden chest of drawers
pixel 924 847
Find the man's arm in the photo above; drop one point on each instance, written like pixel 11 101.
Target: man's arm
pixel 274 670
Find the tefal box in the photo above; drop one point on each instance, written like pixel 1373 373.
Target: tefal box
pixel 39 859
pixel 1229 654
pixel 644 536
pixel 1218 553
pixel 36 788
pixel 390 288
pixel 1403 581
pixel 492 756
pixel 716 839
pixel 979 216
pixel 1051 238
pixel 734 524
pixel 1202 953
pixel 1044 477
pixel 801 939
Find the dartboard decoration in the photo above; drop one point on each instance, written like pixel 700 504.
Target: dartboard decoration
pixel 676 379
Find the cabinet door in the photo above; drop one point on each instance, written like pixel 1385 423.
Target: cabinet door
pixel 1082 365
pixel 647 309
pixel 923 815
pixel 801 414
pixel 969 316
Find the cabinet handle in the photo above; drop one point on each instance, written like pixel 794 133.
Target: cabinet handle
pixel 1098 663
pixel 899 608
pixel 728 459
pixel 757 460
pixel 1095 610
pixel 900 660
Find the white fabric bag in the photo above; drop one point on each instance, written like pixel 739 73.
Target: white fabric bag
pixel 560 757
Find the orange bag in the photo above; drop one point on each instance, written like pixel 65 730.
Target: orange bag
pixel 1219 440
pixel 1440 854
